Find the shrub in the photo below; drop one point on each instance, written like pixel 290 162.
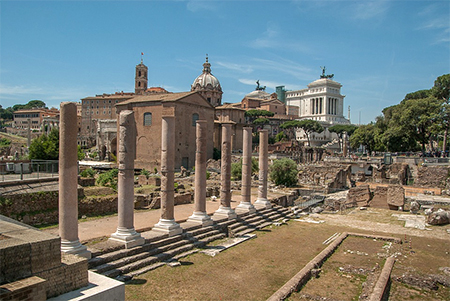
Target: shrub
pixel 284 172
pixel 145 172
pixel 89 172
pixel 236 169
pixel 108 179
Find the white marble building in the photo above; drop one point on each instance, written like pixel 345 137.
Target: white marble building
pixel 321 101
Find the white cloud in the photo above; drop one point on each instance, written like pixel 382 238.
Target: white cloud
pixel 236 67
pixel 366 10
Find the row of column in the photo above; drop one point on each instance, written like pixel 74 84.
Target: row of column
pixel 317 105
pixel 332 105
pixel 126 233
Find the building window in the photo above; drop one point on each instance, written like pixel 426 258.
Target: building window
pixel 194 119
pixel 147 119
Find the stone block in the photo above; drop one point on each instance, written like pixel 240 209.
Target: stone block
pixel 142 180
pixel 155 181
pixel 396 196
pixel 359 196
pixel 379 199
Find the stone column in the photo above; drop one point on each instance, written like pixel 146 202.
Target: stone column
pixel 200 216
pixel 29 133
pixel 68 182
pixel 167 224
pixel 344 145
pixel 225 211
pixel 262 201
pixel 246 205
pixel 126 234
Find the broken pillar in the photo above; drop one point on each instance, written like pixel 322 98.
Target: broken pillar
pixel 200 216
pixel 262 202
pixel 167 224
pixel 126 234
pixel 245 205
pixel 68 182
pixel 225 210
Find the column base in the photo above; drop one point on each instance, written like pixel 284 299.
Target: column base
pixel 129 237
pixel 262 204
pixel 224 212
pixel 200 217
pixel 167 226
pixel 75 248
pixel 245 207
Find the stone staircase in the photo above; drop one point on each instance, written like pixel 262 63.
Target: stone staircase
pixel 159 250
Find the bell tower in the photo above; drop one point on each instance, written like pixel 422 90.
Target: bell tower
pixel 141 79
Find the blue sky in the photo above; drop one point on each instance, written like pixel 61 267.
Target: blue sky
pixel 378 50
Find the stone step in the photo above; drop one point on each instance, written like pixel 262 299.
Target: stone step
pixel 147 261
pixel 129 259
pixel 116 255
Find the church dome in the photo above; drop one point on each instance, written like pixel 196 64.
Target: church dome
pixel 206 81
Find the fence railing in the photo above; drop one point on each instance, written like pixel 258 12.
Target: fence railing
pixel 24 170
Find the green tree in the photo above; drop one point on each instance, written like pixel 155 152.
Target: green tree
pixel 35 104
pixel 80 153
pixel 284 172
pixel 307 125
pixel 364 135
pixel 45 147
pixel 281 136
pixel 441 90
pixel 236 169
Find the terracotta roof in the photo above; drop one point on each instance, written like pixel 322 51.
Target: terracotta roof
pixel 229 106
pixel 157 97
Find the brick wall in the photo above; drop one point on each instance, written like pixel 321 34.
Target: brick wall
pixel 71 274
pixel 28 289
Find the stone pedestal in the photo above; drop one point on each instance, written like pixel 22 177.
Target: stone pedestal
pixel 200 216
pixel 225 211
pixel 262 202
pixel 68 182
pixel 167 222
pixel 246 206
pixel 126 233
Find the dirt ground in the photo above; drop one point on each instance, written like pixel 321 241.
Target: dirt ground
pixel 255 269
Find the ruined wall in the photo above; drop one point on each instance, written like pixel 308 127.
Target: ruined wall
pixel 433 176
pixel 330 175
pixel 41 208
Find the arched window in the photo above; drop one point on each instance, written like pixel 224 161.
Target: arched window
pixel 139 74
pixel 194 118
pixel 147 119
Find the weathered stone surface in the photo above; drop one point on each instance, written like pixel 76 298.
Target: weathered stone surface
pixel 396 196
pixel 433 176
pixel 379 199
pixel 439 217
pixel 329 175
pixel 359 196
pixel 142 180
pixel 414 207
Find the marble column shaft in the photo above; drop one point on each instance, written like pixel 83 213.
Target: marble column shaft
pixel 263 167
pixel 167 222
pixel 200 167
pixel 126 154
pixel 225 211
pixel 167 167
pixel 225 168
pixel 247 165
pixel 200 215
pixel 68 182
pixel 246 205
